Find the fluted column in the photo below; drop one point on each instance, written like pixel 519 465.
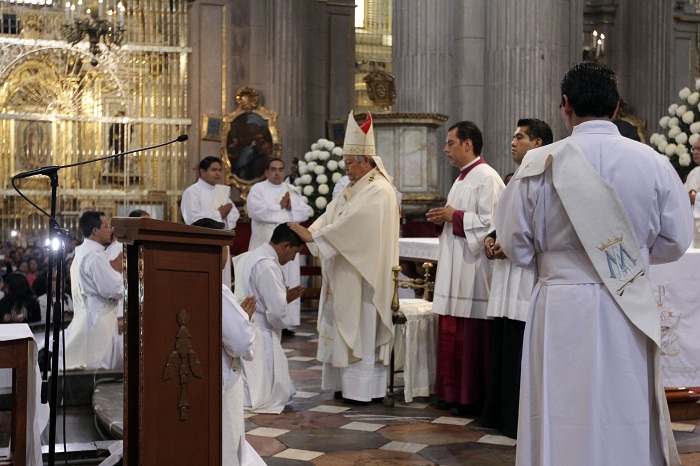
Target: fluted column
pixel 646 44
pixel 421 55
pixel 528 47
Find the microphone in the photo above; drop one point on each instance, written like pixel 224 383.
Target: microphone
pixel 54 168
pixel 36 171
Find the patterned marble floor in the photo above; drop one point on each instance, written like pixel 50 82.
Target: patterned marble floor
pixel 319 430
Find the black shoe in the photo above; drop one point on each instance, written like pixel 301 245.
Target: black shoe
pixel 288 333
pixel 442 404
pixel 338 395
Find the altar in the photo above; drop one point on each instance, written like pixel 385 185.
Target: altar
pixel 678 297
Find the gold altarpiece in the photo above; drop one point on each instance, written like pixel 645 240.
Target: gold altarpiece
pixel 57 108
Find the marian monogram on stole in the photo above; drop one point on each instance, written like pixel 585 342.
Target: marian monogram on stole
pixel 622 265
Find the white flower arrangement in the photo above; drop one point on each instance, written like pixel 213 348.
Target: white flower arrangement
pixel 322 168
pixel 684 159
pixel 680 129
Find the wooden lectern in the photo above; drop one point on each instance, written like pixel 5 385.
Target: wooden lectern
pixel 172 342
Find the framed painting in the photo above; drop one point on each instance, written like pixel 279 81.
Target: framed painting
pixel 212 126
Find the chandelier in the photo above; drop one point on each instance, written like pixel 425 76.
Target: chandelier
pixel 93 22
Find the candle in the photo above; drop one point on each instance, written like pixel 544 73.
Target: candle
pixel 602 42
pixel 100 10
pixel 67 12
pixel 594 39
pixel 80 8
pixel 597 47
pixel 72 12
pixel 121 13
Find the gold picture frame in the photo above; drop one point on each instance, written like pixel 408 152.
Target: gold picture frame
pixel 212 127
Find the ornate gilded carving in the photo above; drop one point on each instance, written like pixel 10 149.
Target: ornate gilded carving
pixel 187 359
pixel 247 99
pixel 381 88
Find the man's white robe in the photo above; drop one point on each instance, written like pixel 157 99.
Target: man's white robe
pixel 357 238
pixel 238 338
pixel 587 372
pixel 97 289
pixel 202 200
pixel 268 387
pixel 692 181
pixel 463 272
pixel 263 205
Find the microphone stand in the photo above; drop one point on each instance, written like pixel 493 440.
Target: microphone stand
pixel 56 258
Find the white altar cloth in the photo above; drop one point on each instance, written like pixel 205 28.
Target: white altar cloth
pixel 415 346
pixel 677 290
pixel 37 414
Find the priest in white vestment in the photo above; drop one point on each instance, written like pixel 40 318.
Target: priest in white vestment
pixel 589 213
pixel 509 300
pixel 270 203
pixel 357 239
pixel 692 181
pixel 209 199
pixel 463 274
pixel 97 289
pixel 268 386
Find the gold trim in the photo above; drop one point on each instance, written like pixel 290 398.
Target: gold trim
pixel 212 126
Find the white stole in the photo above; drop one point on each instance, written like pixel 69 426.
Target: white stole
pixel 610 242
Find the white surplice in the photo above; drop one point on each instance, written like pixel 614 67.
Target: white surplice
pixel 588 382
pixel 357 238
pixel 97 289
pixel 238 338
pixel 202 200
pixel 263 205
pixel 463 272
pixel 511 290
pixel 268 387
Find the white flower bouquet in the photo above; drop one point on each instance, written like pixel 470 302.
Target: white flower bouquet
pixel 319 170
pixel 681 130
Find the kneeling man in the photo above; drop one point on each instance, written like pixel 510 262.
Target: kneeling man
pixel 268 387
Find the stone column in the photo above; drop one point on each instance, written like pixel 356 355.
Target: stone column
pixel 647 50
pixel 422 57
pixel 527 49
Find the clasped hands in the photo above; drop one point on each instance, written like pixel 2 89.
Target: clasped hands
pixel 440 215
pixel 286 202
pixel 493 249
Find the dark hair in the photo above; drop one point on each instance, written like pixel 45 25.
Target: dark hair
pixel 17 286
pixel 273 159
pixel 469 130
pixel 206 162
pixel 295 160
pixel 138 213
pixel 283 233
pixel 591 89
pixel 89 221
pixel 535 128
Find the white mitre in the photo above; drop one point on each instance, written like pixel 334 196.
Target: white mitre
pixel 359 140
